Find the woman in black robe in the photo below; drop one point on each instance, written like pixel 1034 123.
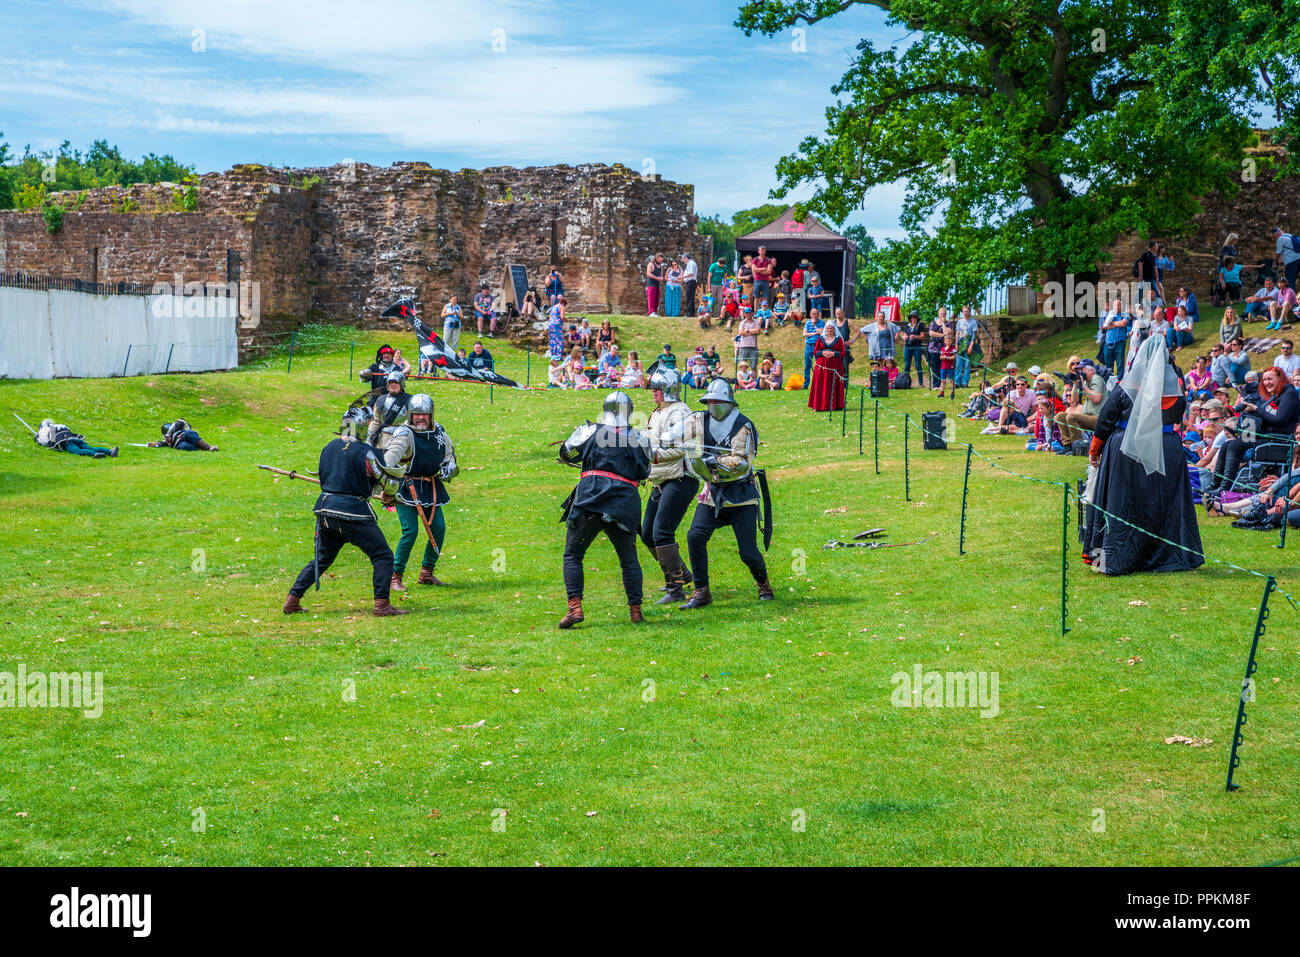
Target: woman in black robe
pixel 1142 475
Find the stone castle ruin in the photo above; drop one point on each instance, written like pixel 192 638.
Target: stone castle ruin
pixel 337 244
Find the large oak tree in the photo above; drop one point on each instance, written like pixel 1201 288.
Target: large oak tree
pixel 1030 134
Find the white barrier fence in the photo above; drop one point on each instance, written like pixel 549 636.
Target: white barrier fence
pixel 52 333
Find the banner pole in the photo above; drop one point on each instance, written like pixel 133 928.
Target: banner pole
pixel 875 436
pixel 862 399
pixel 293 337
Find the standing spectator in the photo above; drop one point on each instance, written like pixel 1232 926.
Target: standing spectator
pixel 747 340
pixel 483 310
pixel 844 330
pixel 1164 264
pixel 1228 249
pixel 948 364
pixel 673 290
pixel 451 323
pixel 1115 337
pixel 969 351
pixel 880 336
pixel 797 283
pixel 783 285
pixel 1287 255
pixel 830 375
pixel 1282 311
pixel 1257 306
pixel 1146 271
pixel 690 283
pixel 915 337
pixel 555 330
pixel 1287 361
pixel 717 280
pixel 654 275
pixel 746 276
pixel 816 294
pixel 764 270
pixel 554 285
pixel 939 328
pixel 812 332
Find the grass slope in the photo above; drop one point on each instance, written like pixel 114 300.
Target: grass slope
pixel 697 738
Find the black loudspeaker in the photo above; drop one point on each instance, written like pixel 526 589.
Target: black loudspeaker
pixel 879 384
pixel 932 425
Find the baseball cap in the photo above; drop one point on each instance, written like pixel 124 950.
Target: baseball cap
pixel 1011 367
pixel 1211 405
pixel 1087 362
pixel 1035 370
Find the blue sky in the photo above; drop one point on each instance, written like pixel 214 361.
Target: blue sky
pixel 298 83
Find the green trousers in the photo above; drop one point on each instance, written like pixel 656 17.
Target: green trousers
pixel 413 528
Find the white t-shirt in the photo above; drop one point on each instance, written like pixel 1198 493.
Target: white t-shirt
pixel 1288 364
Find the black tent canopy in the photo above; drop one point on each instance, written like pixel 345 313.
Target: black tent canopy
pixel 789 240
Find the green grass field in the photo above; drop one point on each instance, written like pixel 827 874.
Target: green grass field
pixel 481 734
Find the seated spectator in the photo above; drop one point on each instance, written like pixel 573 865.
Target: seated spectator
pixel 891 368
pixel 1277 413
pixel 485 311
pixel 666 358
pixel 480 359
pixel 555 377
pixel 764 316
pixel 584 334
pixel 704 315
pixel 633 373
pixel 780 311
pixel 178 435
pixel 771 373
pixel 573 339
pixel 697 370
pixel 1046 433
pixel 1249 392
pixel 1219 370
pixel 1089 394
pixel 1198 380
pixel 609 369
pixel 745 378
pixel 1228 283
pixel 60 438
pixel 401 363
pixel 1229 326
pixel 1286 360
pixel 1180 335
pixel 605 337
pixel 714 362
pixel 1016 409
pixel 1282 311
pixel 1258 305
pixel 1187 299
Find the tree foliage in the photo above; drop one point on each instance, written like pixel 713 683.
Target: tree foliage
pixel 746 220
pixel 1029 134
pixel 37 174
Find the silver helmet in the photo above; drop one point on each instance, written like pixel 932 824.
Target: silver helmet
pixel 398 376
pixel 421 404
pixel 393 410
pixel 356 421
pixel 668 381
pixel 719 391
pixel 618 409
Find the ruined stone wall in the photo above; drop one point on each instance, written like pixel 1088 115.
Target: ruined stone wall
pixel 340 243
pixel 1251 213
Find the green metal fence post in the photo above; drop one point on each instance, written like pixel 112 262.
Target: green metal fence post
pixel 862 400
pixel 1248 683
pixel 491 401
pixel 352 351
pixel 528 368
pixel 875 436
pixel 293 337
pixel 907 473
pixel 965 487
pixel 168 369
pixel 1290 457
pixel 1065 551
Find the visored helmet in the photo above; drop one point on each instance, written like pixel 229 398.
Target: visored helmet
pixel 618 409
pixel 421 404
pixel 397 375
pixel 718 393
pixel 667 381
pixel 356 421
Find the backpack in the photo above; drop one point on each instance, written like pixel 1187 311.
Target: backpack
pixel 1137 268
pixel 902 381
pixel 1295 243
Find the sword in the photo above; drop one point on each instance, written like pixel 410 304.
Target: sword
pixel 20 419
pixel 428 530
pixel 761 475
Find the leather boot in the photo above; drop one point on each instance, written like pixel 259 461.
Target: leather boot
pixel 765 591
pixel 676 575
pixel 634 612
pixel 698 600
pixel 427 577
pixel 207 446
pixel 575 613
pixel 396 583
pixel 291 605
pixel 113 452
pixel 384 608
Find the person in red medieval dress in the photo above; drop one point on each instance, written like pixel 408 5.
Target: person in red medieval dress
pixel 828 376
